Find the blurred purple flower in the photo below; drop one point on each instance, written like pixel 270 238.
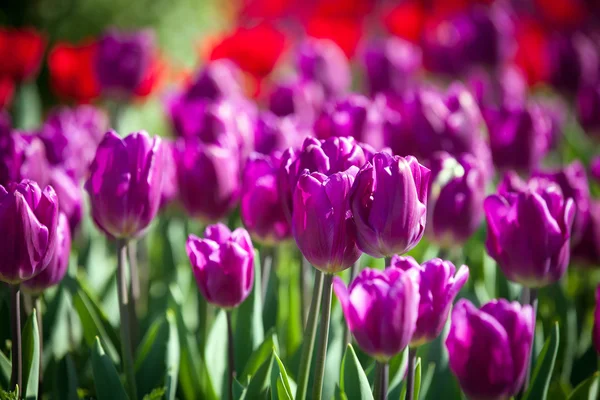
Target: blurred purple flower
pixel 323 62
pixel 302 99
pixel 588 108
pixel 70 196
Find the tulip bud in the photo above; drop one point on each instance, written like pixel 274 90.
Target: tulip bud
pixel 489 348
pixel 57 268
pixel 219 79
pixel 261 207
pixel 573 183
pixel 529 232
pixel 327 157
pixel 388 201
pixel 223 264
pixel 596 332
pixel 322 61
pixel 302 99
pixel 457 192
pixel 272 133
pixel 437 288
pixel 21 51
pixel 28 220
pixel 322 223
pixel 122 60
pixel 125 183
pixel 381 309
pixel 573 61
pixel 208 178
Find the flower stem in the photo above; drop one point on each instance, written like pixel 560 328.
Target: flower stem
pixel 381 380
pixel 124 307
pixel 529 296
pixel 267 263
pixel 230 354
pixel 16 378
pixel 134 290
pixel 410 377
pixel 347 334
pixel 38 306
pixel 308 342
pixel 304 266
pixel 324 335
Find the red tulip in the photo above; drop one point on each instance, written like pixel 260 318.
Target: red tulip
pixel 345 32
pixel 21 52
pixel 407 21
pixel 7 89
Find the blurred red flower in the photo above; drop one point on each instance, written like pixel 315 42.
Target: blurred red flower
pixel 152 78
pixel 21 52
pixel 563 13
pixel 532 51
pixel 7 89
pixel 345 32
pixel 407 21
pixel 72 71
pixel 255 50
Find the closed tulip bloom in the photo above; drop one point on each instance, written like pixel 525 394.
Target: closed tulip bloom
pixel 322 61
pixel 529 233
pixel 457 192
pixel 170 189
pixel 223 264
pixel 122 60
pixel 57 268
pixel 28 220
pixel 488 348
pixel 21 51
pixel 381 309
pixel 586 252
pixel 388 201
pixel 588 108
pixel 272 133
pixel 322 223
pixel 573 183
pixel 438 287
pixel 208 177
pixel 327 157
pixel 596 332
pixel 595 168
pixel 573 61
pixel 125 183
pixel 69 193
pixel 261 208
pixel 218 80
pixel 23 156
pixel 300 98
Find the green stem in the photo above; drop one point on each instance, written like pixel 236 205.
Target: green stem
pixel 380 386
pixel 123 293
pixel 230 354
pixel 268 258
pixel 529 296
pixel 134 290
pixel 308 342
pixel 324 335
pixel 38 306
pixel 304 266
pixel 410 377
pixel 16 378
pixel 347 334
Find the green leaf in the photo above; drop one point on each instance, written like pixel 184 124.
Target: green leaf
pixel 259 385
pixel 5 370
pixel 260 355
pixel 65 380
pixel 588 389
pixel 8 395
pixel 339 394
pixel 417 386
pixel 156 394
pixel 538 388
pixel 426 380
pixel 157 363
pixel 31 357
pixel 106 379
pixel 239 391
pixel 249 316
pixel 353 380
pixel 215 354
pixel 281 381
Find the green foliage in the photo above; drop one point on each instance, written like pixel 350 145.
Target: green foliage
pixel 544 366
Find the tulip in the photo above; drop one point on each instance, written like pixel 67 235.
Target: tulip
pixel 587 250
pixel 170 189
pixel 122 60
pixel 381 309
pixel 218 80
pixel 300 98
pixel 57 268
pixel 272 133
pixel 573 61
pixel 573 183
pixel 322 223
pixel 29 219
pixel 391 65
pixel 261 209
pixel 323 62
pixel 529 232
pixel 125 183
pixel 21 51
pixel 327 157
pixel 489 348
pixel 352 116
pixel 208 178
pixel 506 86
pixel 223 265
pixel 456 198
pixel 588 108
pixel 439 285
pixel 595 168
pixel 388 201
pixel 69 195
pixel 23 156
pixel 596 332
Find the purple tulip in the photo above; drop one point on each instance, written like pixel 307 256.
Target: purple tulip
pixel 457 192
pixel 208 177
pixel 57 268
pixel 71 136
pixel 272 133
pixel 122 60
pixel 488 348
pixel 573 61
pixel 388 201
pixel 595 168
pixel 505 87
pixel 223 264
pixel 323 62
pixel 322 223
pixel 220 79
pixel 261 207
pixel 529 232
pixel 351 116
pixel 302 99
pixel 438 287
pixel 170 189
pixel 28 219
pixel 573 183
pixel 587 250
pixel 381 309
pixel 125 183
pixel 69 195
pixel 327 157
pixel 391 65
pixel 596 332
pixel 588 108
